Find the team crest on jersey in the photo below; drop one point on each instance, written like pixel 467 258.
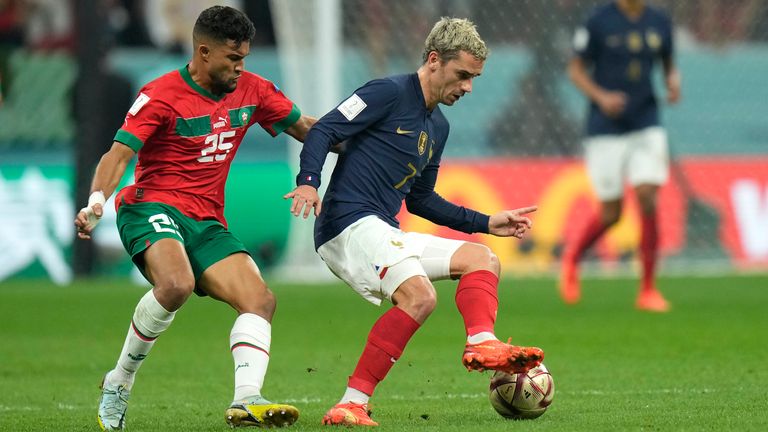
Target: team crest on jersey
pixel 422 143
pixel 634 41
pixel 653 39
pixel 244 117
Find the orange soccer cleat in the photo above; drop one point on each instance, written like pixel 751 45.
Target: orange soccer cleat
pixel 570 291
pixel 349 414
pixel 652 301
pixel 500 356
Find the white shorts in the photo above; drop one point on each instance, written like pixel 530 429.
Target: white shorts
pixel 640 157
pixel 375 258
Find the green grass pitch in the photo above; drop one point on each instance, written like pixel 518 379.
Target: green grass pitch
pixel 700 367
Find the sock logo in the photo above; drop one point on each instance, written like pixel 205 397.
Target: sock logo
pixel 242 365
pixel 137 357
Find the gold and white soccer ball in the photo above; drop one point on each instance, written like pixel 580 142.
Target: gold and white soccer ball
pixel 523 395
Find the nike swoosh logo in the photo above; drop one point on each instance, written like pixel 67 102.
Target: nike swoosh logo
pixel 403 132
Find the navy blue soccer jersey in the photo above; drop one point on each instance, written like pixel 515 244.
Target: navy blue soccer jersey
pixel 392 153
pixel 622 53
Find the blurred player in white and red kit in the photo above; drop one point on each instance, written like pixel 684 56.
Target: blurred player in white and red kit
pixel 395 134
pixel 186 127
pixel 621 42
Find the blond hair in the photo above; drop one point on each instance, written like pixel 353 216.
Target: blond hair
pixel 451 35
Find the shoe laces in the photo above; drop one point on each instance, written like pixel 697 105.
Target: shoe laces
pixel 114 401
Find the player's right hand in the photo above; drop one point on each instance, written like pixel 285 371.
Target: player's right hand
pixel 612 103
pixel 89 216
pixel 305 198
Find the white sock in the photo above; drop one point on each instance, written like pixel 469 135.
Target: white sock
pixel 149 320
pixel 355 396
pixel 249 341
pixel 481 337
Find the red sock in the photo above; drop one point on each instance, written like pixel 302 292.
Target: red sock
pixel 648 250
pixel 386 343
pixel 478 301
pixel 585 239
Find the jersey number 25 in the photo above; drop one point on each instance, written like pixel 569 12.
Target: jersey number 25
pixel 217 147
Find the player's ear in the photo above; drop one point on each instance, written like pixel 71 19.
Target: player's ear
pixel 204 51
pixel 433 60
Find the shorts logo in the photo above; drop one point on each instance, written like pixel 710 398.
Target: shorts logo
pixel 422 143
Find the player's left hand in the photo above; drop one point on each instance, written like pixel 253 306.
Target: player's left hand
pixel 305 198
pixel 673 87
pixel 511 223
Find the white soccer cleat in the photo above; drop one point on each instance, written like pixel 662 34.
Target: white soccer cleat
pixel 112 406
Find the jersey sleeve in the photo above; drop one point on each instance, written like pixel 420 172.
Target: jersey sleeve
pixel 145 116
pixel 585 40
pixel 668 45
pixel 423 201
pixel 275 112
pixel 366 106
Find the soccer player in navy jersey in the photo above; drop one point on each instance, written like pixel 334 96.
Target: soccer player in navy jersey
pixel 186 127
pixel 615 53
pixel 395 135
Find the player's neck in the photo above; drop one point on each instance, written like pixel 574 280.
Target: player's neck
pixel 631 8
pixel 198 77
pixel 426 90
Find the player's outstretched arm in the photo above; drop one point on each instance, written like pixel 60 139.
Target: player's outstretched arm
pixel 511 223
pixel 108 173
pixel 300 129
pixel 305 198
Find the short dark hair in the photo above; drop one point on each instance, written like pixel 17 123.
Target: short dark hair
pixel 223 23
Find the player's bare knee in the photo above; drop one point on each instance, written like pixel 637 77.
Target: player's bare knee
pixel 610 216
pixel 647 203
pixel 172 292
pixel 425 302
pixel 472 257
pixel 417 299
pixel 260 301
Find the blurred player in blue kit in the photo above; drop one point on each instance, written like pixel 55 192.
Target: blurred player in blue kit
pixel 395 135
pixel 615 53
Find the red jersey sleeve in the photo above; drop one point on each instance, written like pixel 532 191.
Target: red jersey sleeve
pixel 146 116
pixel 276 112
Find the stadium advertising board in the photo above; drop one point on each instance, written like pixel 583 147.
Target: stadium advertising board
pixel 713 210
pixel 716 212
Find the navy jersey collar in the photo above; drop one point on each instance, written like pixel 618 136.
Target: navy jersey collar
pixel 417 89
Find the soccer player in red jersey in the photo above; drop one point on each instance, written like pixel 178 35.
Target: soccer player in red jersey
pixel 186 127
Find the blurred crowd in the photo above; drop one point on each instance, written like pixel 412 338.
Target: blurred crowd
pixel 389 31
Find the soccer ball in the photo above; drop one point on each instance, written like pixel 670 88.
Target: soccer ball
pixel 523 395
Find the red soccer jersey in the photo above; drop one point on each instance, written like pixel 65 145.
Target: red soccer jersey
pixel 186 138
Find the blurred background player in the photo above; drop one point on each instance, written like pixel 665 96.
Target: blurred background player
pixel 186 127
pixel 395 135
pixel 621 42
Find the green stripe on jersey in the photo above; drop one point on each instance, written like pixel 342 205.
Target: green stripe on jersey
pixel 288 121
pixel 193 127
pixel 128 139
pixel 240 117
